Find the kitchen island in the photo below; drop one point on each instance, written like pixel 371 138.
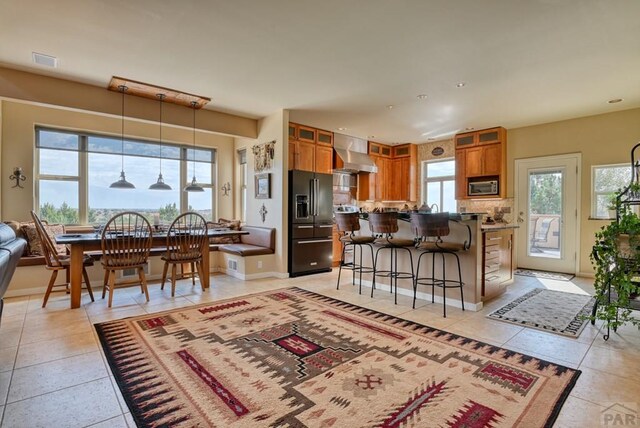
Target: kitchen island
pixel 471 262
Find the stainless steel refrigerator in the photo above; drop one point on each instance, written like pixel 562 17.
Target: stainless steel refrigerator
pixel 310 222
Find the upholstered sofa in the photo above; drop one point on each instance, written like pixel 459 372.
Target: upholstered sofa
pixel 11 250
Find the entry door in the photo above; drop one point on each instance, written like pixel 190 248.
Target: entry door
pixel 547 212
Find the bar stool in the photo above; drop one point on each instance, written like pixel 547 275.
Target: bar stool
pixel 384 225
pixel 429 230
pixel 347 224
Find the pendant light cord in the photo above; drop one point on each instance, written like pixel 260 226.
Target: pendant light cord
pixel 161 96
pixel 123 89
pixel 193 103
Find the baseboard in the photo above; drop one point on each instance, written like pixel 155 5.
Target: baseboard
pixel 420 295
pixel 252 276
pixel 25 291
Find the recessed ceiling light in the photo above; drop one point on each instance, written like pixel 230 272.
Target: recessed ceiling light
pixel 469 129
pixel 342 129
pixel 390 106
pixel 460 84
pixel 422 96
pixel 46 60
pixel 615 100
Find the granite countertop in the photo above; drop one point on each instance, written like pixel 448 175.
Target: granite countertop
pixel 406 216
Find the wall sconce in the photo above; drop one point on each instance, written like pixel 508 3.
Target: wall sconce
pixel 18 176
pixel 226 189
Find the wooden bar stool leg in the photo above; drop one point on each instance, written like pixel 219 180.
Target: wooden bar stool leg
pixel 193 273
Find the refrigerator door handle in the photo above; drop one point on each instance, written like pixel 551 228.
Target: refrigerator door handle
pixel 316 192
pixel 315 241
pixel 312 197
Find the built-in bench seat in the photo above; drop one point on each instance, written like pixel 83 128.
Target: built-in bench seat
pixel 259 241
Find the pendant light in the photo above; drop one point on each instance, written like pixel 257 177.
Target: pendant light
pixel 160 184
pixel 194 186
pixel 122 183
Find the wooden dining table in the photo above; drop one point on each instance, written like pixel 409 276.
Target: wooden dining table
pixel 79 244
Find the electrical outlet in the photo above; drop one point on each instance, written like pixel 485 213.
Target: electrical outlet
pixel 259 264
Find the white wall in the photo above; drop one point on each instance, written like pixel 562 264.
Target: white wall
pixel 273 127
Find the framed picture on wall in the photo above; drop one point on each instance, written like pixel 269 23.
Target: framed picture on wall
pixel 263 186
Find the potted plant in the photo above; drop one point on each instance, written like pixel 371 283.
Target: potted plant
pixel 616 258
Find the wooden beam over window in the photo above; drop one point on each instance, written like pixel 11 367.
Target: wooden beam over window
pixel 150 91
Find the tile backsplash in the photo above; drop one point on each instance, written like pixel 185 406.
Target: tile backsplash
pixel 491 207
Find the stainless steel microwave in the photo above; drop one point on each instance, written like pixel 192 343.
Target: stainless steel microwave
pixel 483 188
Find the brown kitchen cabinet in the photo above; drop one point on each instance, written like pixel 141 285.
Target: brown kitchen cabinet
pixel 396 179
pixel 310 149
pixel 497 262
pixel 481 155
pixel 461 164
pixel 324 138
pixel 323 159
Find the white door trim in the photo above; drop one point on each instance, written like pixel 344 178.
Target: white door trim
pixel 516 202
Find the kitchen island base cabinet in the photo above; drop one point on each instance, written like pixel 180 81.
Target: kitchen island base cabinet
pixel 497 262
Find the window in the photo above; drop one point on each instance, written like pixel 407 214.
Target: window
pixel 605 180
pixel 439 184
pixel 75 170
pixel 242 159
pixel 59 174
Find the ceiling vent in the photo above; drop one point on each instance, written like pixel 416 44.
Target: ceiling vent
pixel 46 60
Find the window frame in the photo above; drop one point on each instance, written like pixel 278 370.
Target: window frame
pixel 595 194
pixel 83 173
pixel 425 180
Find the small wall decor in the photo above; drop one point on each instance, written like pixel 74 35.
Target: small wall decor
pixel 226 189
pixel 263 186
pixel 263 155
pixel 18 176
pixel 263 212
pixel 437 151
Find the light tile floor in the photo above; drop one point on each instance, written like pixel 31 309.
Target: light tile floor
pixel 53 372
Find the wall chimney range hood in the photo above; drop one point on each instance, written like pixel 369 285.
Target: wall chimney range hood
pixel 353 152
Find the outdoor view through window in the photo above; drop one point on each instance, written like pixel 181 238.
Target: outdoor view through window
pixel 61 183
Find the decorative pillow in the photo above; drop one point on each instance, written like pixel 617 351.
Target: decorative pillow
pixel 233 225
pixel 33 241
pixel 224 224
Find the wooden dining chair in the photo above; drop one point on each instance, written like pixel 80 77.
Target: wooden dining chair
pixel 187 234
pixel 56 262
pixel 126 242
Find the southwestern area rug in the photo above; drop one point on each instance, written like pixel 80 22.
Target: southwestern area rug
pixel 553 311
pixel 293 358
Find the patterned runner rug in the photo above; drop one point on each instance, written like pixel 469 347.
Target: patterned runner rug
pixel 293 358
pixel 558 276
pixel 554 311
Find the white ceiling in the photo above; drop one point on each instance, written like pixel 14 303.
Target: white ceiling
pixel 340 63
